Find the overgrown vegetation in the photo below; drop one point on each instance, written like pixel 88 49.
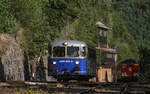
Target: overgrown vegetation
pixel 136 16
pixel 43 21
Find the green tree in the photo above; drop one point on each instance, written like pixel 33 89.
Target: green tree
pixel 7 21
pixel 124 41
pixel 118 35
pixel 145 61
pixel 60 12
pixel 136 15
pixel 30 16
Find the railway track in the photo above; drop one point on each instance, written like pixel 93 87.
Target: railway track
pixel 81 87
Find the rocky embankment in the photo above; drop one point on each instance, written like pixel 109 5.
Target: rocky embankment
pixel 11 59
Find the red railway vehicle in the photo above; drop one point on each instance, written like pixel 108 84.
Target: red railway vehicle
pixel 128 70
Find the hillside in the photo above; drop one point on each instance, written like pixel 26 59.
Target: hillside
pixel 44 21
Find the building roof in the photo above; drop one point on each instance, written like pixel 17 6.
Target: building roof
pixel 101 25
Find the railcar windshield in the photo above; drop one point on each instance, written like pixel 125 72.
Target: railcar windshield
pixel 73 51
pixel 59 52
pixel 83 51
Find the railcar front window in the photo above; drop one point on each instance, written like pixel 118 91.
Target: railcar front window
pixel 73 51
pixel 59 52
pixel 83 51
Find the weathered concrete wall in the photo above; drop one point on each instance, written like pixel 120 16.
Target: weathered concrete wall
pixel 11 59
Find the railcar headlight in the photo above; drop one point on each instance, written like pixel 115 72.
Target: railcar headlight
pixel 54 62
pixel 65 43
pixel 77 62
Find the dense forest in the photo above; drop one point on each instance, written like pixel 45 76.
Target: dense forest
pixel 42 21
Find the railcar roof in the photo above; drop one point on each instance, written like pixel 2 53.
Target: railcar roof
pixel 70 43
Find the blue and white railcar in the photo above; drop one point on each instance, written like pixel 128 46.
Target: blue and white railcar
pixel 70 59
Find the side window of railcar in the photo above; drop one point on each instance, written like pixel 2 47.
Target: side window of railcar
pixel 91 53
pixel 59 52
pixel 73 51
